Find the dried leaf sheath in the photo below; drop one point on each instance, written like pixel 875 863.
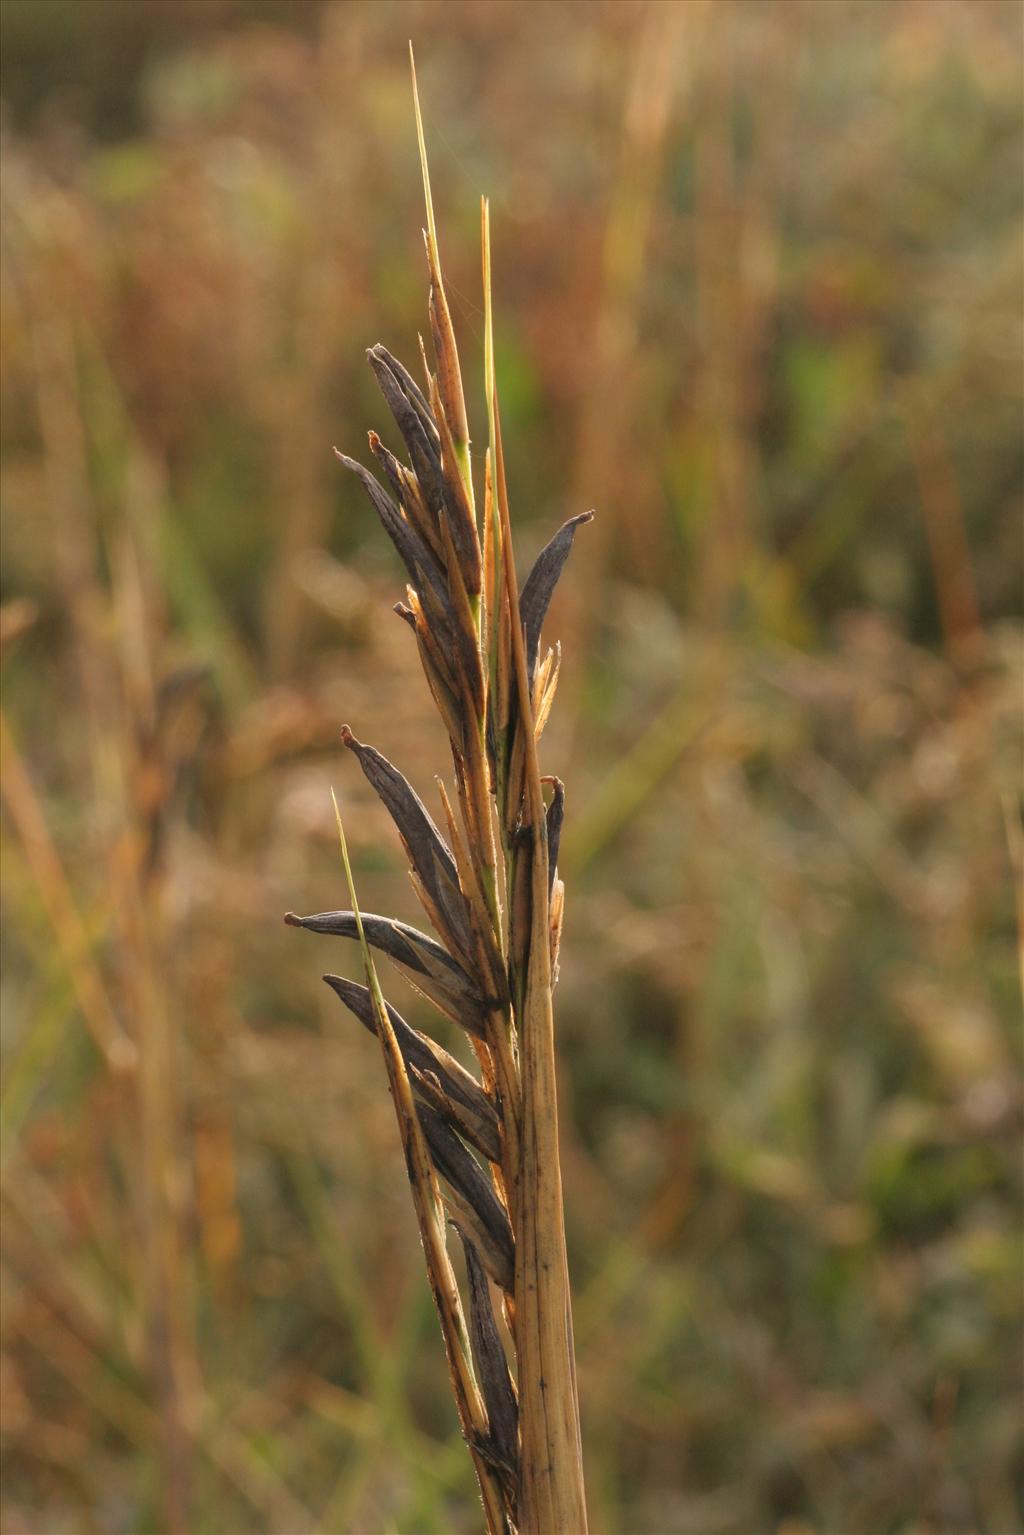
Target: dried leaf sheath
pixel 482 1155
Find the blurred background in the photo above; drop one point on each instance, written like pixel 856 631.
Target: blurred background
pixel 758 288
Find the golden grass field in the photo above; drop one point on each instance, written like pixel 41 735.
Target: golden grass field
pixel 758 302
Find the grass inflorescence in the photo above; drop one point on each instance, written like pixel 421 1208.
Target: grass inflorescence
pixel 481 1153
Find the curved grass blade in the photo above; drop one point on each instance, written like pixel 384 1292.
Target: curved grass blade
pixel 433 970
pixel 412 391
pixel 429 1063
pixel 414 552
pixel 426 848
pixel 540 585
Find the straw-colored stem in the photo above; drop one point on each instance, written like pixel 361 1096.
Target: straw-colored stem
pixel 551 1491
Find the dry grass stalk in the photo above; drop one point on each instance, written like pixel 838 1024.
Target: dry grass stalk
pixel 482 1156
